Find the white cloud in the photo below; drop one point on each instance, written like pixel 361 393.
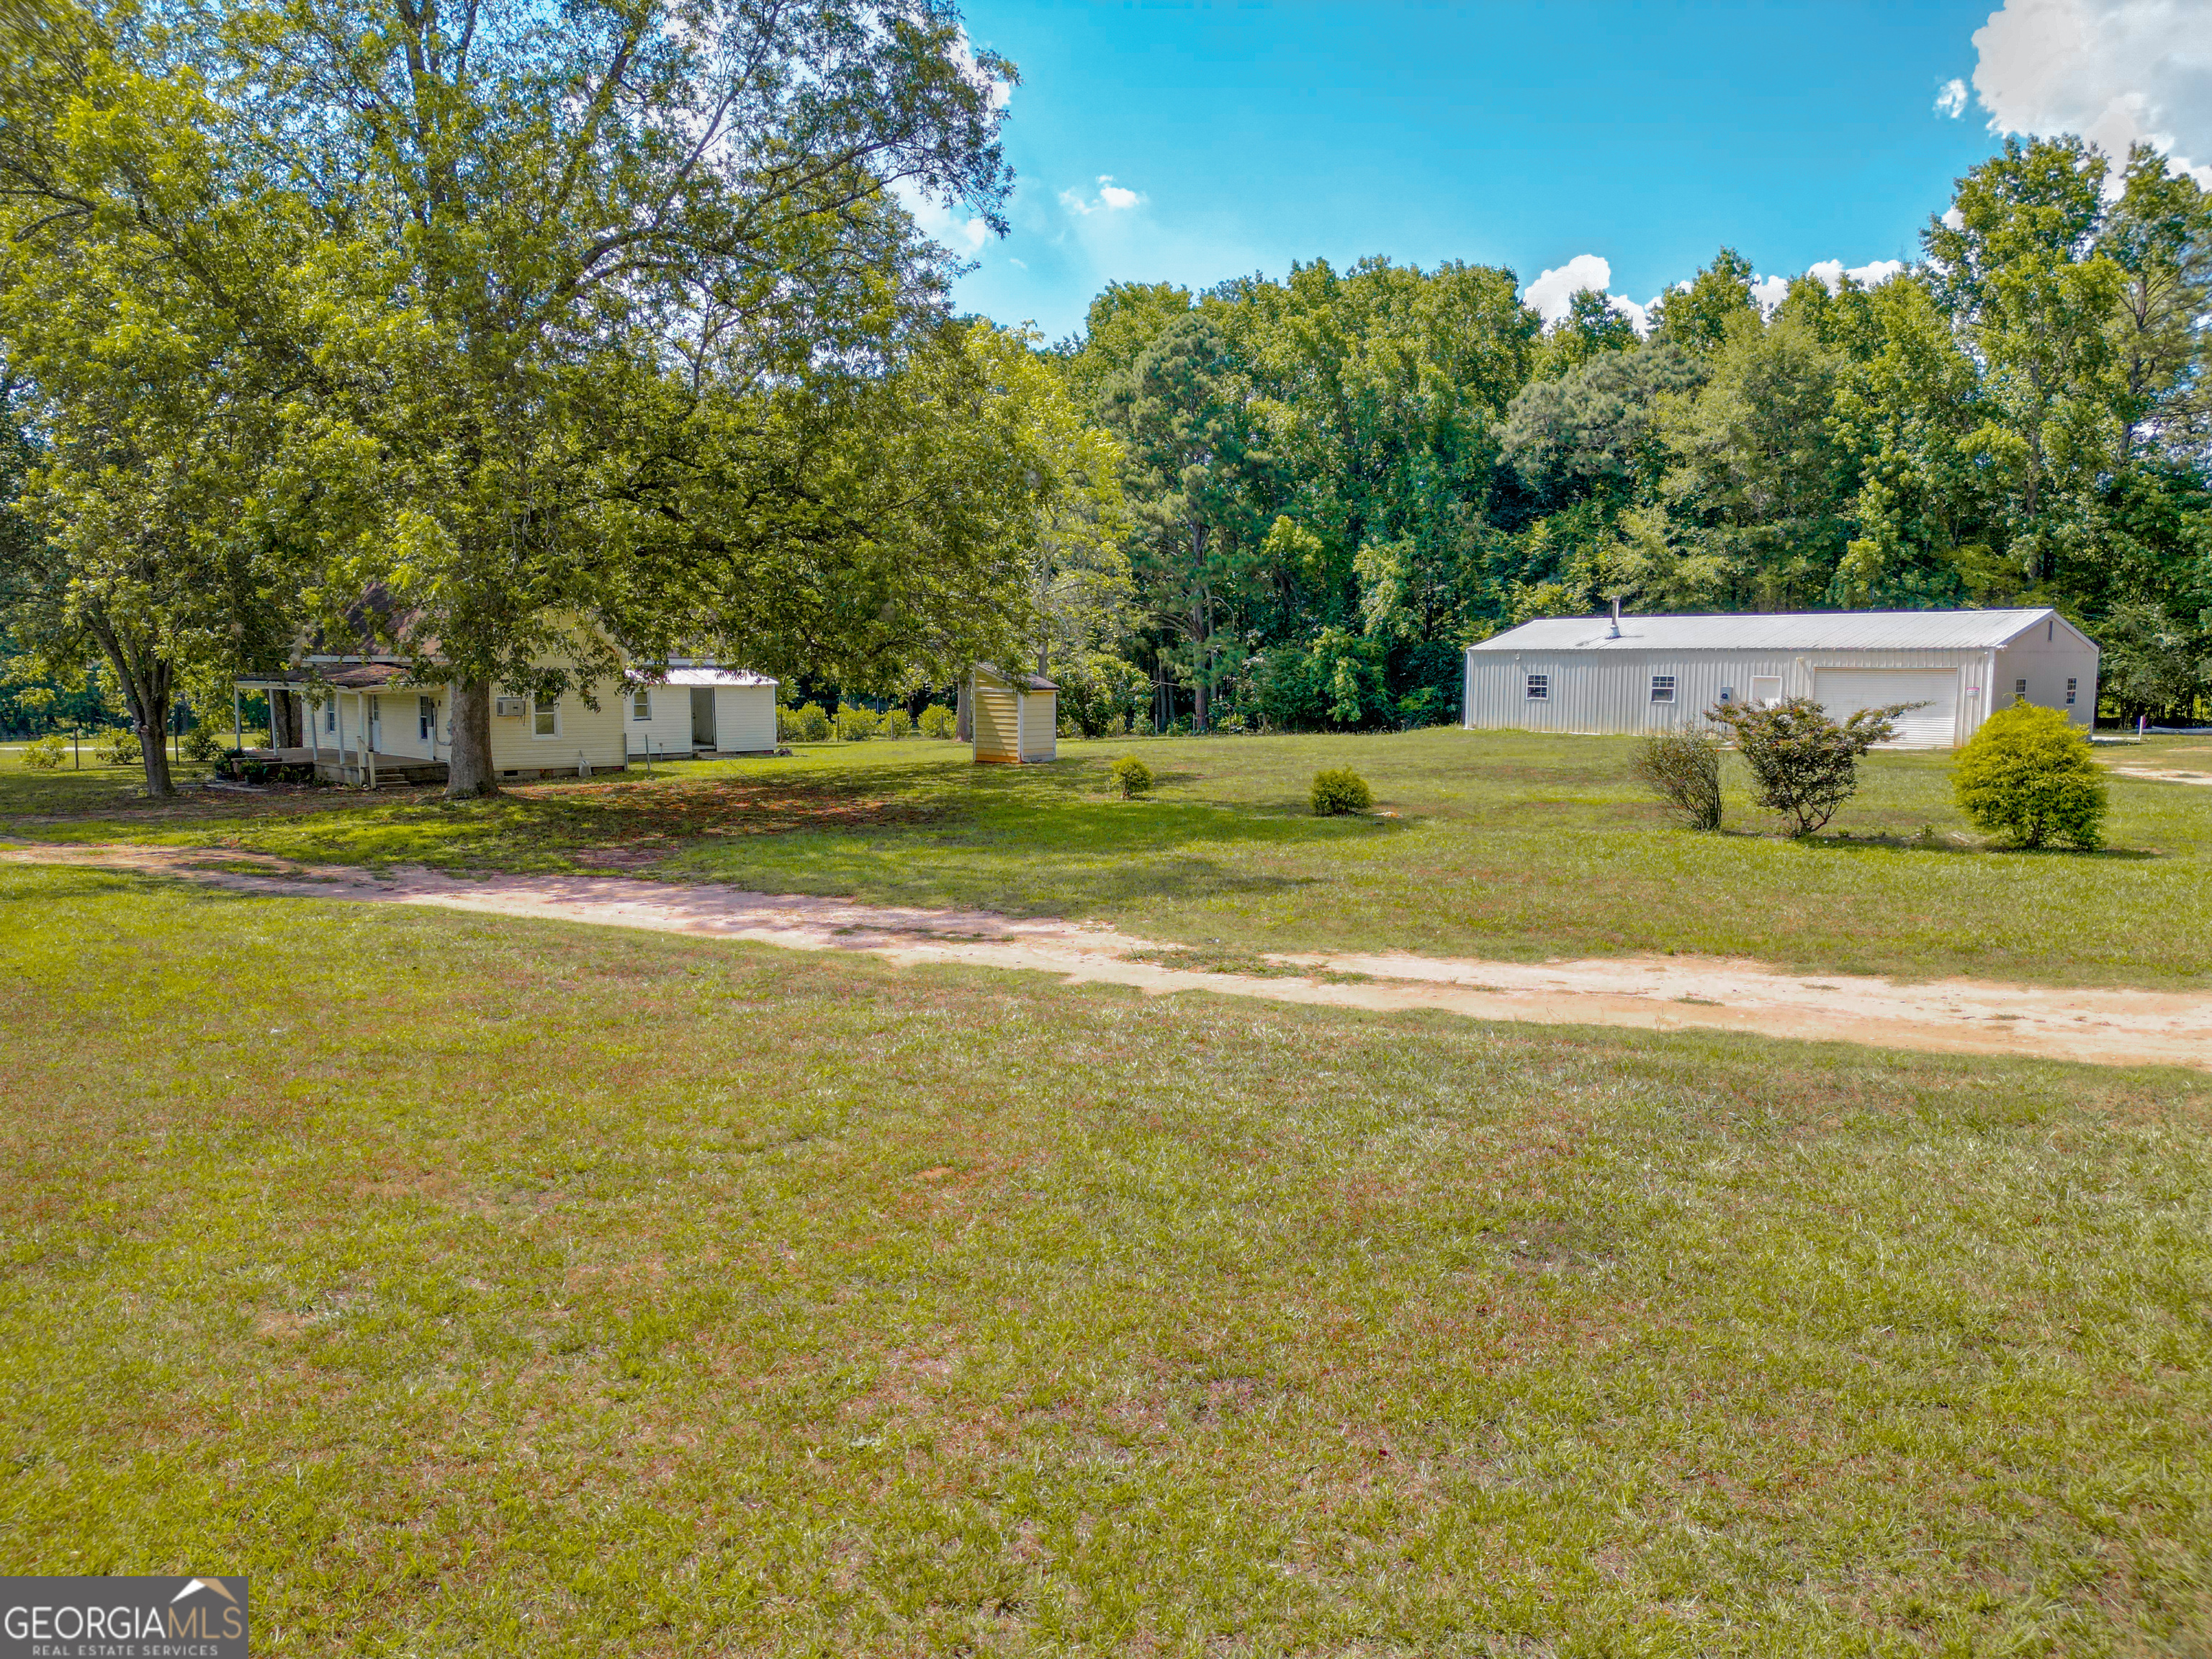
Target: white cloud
pixel 964 58
pixel 1952 100
pixel 1554 290
pixel 1767 292
pixel 1871 275
pixel 940 223
pixel 1111 198
pixel 2115 71
pixel 1954 218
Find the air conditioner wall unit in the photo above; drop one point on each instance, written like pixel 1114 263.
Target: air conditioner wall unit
pixel 508 708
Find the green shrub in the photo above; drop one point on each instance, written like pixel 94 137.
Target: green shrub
pixel 1132 776
pixel 2028 775
pixel 855 724
pixel 204 743
pixel 46 754
pixel 1805 765
pixel 1683 769
pixel 120 748
pixel 939 721
pixel 1338 790
pixel 898 723
pixel 807 723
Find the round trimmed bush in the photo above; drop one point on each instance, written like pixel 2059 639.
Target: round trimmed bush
pixel 1133 777
pixel 2028 775
pixel 1339 790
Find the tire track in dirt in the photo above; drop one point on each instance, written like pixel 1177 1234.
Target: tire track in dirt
pixel 2101 1026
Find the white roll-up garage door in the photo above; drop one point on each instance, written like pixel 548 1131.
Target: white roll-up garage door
pixel 1844 691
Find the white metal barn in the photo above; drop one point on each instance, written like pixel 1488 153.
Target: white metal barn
pixel 701 710
pixel 1621 674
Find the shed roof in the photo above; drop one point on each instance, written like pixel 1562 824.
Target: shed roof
pixel 708 677
pixel 1018 681
pixel 1803 630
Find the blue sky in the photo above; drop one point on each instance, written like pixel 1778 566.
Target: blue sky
pixel 1238 137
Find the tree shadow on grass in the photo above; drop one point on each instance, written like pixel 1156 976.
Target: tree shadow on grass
pixel 1841 842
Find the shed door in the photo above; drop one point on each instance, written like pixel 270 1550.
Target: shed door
pixel 1844 691
pixel 703 717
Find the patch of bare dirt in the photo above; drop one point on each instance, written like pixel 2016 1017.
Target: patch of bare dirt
pixel 2101 1026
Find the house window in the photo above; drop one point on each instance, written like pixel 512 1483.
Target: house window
pixel 1662 687
pixel 545 717
pixel 2019 688
pixel 1540 687
pixel 330 715
pixel 641 704
pixel 426 718
pixel 2070 686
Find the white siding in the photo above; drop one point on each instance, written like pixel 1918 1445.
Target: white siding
pixel 744 719
pixel 596 735
pixel 668 727
pixel 2046 658
pixel 1610 690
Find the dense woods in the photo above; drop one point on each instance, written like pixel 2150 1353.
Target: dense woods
pixel 610 334
pixel 1336 480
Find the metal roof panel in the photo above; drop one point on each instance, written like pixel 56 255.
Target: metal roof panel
pixel 1803 630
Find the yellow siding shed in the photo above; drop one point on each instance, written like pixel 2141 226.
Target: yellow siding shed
pixel 1016 716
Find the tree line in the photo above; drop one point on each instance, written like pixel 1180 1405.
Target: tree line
pixel 525 342
pixel 1335 481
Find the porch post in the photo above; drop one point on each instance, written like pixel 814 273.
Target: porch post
pixel 337 714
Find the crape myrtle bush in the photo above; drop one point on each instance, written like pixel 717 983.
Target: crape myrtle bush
pixel 1683 769
pixel 2028 775
pixel 856 724
pixel 47 754
pixel 1340 789
pixel 939 721
pixel 1804 763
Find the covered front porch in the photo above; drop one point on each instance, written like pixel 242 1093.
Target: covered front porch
pixel 353 766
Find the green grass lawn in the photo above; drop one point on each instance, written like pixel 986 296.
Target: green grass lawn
pixel 486 1287
pixel 1499 844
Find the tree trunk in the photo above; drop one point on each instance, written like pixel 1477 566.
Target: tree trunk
pixel 284 721
pixel 1201 700
pixel 145 677
pixel 964 725
pixel 468 758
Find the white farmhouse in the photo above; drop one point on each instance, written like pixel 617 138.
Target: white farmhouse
pixel 700 708
pixel 1627 674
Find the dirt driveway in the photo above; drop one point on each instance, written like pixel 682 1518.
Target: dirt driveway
pixel 1957 1016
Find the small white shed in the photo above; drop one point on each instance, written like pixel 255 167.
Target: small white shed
pixel 1017 717
pixel 700 708
pixel 1628 674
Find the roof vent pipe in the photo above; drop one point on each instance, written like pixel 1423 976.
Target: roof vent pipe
pixel 1616 618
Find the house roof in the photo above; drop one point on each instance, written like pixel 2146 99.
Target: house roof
pixel 1804 630
pixel 707 677
pixel 1023 682
pixel 347 675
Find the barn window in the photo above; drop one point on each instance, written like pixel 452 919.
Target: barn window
pixel 2070 685
pixel 1662 687
pixel 2019 688
pixel 1540 687
pixel 641 704
pixel 545 717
